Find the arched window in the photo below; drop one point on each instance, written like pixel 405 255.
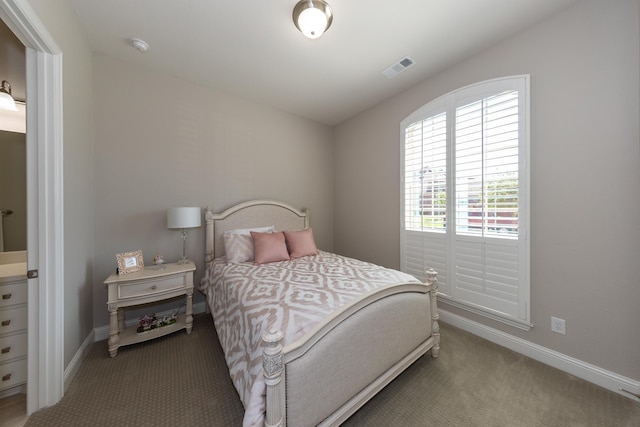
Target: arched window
pixel 465 205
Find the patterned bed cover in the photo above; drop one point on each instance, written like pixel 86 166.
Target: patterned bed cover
pixel 246 300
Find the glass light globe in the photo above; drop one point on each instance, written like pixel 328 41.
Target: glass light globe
pixel 7 103
pixel 312 22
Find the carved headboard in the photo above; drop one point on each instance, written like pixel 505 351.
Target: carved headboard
pixel 254 213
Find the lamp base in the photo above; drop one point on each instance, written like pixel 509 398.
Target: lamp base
pixel 184 259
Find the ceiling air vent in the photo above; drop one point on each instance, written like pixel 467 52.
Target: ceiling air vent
pixel 398 67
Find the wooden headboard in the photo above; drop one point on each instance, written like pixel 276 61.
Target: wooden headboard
pixel 254 213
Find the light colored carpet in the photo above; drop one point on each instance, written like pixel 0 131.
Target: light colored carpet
pixel 182 380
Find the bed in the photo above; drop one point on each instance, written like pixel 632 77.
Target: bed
pixel 350 327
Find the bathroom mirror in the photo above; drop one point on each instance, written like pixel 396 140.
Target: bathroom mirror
pixel 13 191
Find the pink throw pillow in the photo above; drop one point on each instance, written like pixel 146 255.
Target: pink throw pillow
pixel 269 247
pixel 301 243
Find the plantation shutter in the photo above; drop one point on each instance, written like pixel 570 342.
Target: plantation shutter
pixel 425 180
pixel 481 250
pixel 425 173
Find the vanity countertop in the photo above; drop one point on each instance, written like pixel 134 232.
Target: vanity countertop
pixel 13 266
pixel 14 271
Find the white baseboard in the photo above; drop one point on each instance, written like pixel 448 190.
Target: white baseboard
pixel 74 365
pixel 102 332
pixel 606 379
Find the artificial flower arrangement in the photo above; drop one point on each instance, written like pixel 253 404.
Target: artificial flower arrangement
pixel 150 321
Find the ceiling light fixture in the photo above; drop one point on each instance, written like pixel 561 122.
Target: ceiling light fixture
pixel 312 17
pixel 6 100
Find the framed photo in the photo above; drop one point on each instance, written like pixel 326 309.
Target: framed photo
pixel 130 262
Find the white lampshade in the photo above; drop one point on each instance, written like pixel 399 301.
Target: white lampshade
pixel 183 217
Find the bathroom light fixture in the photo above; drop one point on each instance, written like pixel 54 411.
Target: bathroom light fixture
pixel 6 100
pixel 312 17
pixel 183 217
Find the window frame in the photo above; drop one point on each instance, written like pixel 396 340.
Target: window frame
pixel 439 249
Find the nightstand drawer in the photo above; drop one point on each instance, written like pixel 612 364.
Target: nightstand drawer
pixel 13 347
pixel 13 319
pixel 13 373
pixel 12 294
pixel 150 287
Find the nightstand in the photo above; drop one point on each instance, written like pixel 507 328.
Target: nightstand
pixel 149 285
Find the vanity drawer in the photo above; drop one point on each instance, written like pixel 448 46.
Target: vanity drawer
pixel 150 287
pixel 13 319
pixel 13 346
pixel 13 373
pixel 12 294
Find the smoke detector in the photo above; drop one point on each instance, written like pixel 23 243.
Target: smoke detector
pixel 140 44
pixel 398 67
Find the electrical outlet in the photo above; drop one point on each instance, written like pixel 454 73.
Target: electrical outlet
pixel 558 325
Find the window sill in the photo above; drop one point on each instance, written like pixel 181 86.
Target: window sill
pixel 498 317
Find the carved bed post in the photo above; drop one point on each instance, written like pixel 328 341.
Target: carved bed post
pixel 307 218
pixel 273 369
pixel 432 281
pixel 209 242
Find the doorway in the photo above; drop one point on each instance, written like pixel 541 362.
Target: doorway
pixel 45 238
pixel 13 234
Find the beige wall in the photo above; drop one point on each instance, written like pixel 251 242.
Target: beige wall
pixel 162 142
pixel 12 62
pixel 61 22
pixel 585 235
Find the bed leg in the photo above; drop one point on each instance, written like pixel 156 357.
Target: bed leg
pixel 432 281
pixel 273 369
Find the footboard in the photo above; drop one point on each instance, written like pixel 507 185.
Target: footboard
pixel 325 377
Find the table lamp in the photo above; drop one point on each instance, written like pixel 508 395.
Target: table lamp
pixel 183 217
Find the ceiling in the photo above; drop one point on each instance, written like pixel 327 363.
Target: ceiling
pixel 252 49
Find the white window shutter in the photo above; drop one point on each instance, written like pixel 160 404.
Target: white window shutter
pixel 480 248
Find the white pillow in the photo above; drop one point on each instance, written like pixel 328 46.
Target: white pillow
pixel 238 244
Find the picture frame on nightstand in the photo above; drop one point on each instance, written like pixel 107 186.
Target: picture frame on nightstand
pixel 130 262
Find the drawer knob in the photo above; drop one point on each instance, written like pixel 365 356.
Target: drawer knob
pixel 6 377
pixel 6 296
pixel 154 287
pixel 6 350
pixel 6 322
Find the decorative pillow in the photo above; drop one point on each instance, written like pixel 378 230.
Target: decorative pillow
pixel 300 243
pixel 238 245
pixel 269 247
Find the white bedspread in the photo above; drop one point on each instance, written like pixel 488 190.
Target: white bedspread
pixel 246 300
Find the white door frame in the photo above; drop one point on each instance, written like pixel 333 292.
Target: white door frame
pixel 45 244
